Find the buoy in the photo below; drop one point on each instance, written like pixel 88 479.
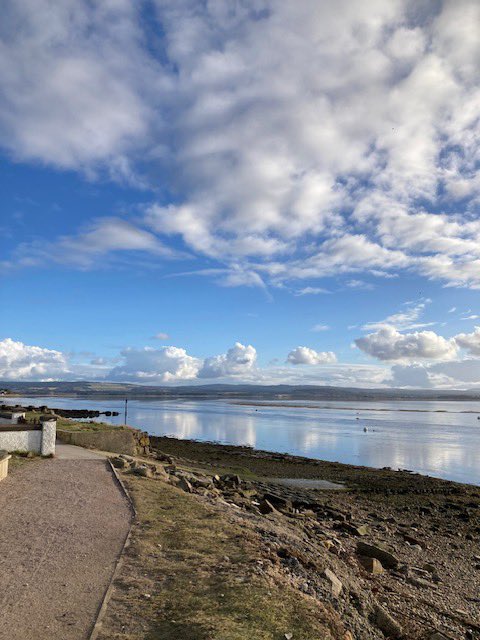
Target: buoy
pixel 365 429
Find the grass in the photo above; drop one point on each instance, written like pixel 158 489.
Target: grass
pixel 192 573
pixel 69 424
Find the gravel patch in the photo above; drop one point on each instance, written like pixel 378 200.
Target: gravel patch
pixel 62 527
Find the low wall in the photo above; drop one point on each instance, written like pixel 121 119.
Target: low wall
pixel 39 439
pixel 114 441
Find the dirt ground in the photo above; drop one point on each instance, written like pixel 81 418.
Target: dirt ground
pixel 63 524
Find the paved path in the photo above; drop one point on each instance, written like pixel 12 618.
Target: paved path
pixel 63 523
pixel 71 452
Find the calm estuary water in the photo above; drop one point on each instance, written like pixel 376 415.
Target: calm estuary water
pixel 436 438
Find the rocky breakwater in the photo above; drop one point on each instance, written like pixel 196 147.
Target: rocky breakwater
pixel 406 566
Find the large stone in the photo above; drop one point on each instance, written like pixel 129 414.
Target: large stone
pixel 279 502
pixel 388 625
pixel 372 565
pixel 184 485
pixel 143 471
pixel 265 507
pixel 374 551
pixel 119 463
pixel 335 584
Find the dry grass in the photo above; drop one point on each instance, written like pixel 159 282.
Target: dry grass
pixel 191 574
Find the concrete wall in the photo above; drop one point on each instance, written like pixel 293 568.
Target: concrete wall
pixel 21 440
pixel 37 440
pixel 115 441
pixel 49 436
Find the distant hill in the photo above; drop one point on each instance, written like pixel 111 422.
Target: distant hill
pixel 238 391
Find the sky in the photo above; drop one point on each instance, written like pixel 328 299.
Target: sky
pixel 244 191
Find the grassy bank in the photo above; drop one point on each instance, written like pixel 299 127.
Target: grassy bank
pixel 192 573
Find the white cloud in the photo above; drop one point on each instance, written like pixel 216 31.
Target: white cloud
pixel 456 374
pixel 452 310
pixel 305 355
pixel 311 291
pixel 389 344
pixel 412 375
pixel 19 361
pixel 153 366
pixel 470 341
pixel 359 284
pixel 101 239
pixel 320 327
pixel 367 167
pixel 161 336
pixel 237 361
pixel 73 94
pixel 406 319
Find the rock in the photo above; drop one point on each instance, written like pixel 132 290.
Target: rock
pixel 127 458
pixel 372 565
pixel 184 485
pixel 202 481
pixel 119 463
pixel 414 541
pixel 278 501
pixel 335 584
pixel 388 625
pixel 143 471
pixel 372 551
pixel 355 531
pixel 288 636
pixel 231 480
pixel 163 457
pixel 265 507
pixel 420 582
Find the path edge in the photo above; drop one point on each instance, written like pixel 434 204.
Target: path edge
pixel 97 625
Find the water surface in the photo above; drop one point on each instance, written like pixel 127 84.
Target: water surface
pixel 436 438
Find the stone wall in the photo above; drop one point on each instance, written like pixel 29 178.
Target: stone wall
pixel 121 441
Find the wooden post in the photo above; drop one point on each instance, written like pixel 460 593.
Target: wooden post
pixel 126 402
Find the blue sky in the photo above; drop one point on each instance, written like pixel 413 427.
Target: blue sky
pixel 250 192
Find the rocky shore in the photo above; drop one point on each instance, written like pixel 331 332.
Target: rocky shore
pixel 393 554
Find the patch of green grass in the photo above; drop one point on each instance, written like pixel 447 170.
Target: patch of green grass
pixel 69 424
pixel 190 573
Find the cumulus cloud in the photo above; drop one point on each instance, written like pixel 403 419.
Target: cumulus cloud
pixel 305 355
pixel 470 341
pixel 367 166
pixel 237 361
pixel 389 344
pixel 148 365
pixel 19 361
pixel 72 94
pixel 456 374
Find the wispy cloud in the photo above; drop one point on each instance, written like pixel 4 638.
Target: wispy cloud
pixel 320 327
pixel 406 319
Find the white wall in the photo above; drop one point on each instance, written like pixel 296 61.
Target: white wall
pixel 40 441
pixel 21 440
